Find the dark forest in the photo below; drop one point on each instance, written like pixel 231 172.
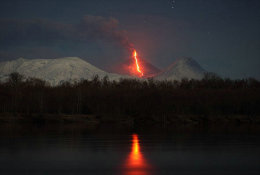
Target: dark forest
pixel 211 96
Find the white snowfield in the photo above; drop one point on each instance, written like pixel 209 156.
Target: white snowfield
pixel 55 71
pixel 182 68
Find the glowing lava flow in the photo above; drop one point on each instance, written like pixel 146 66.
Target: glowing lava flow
pixel 138 69
pixel 136 164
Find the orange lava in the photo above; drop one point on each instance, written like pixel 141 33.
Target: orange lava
pixel 138 68
pixel 136 163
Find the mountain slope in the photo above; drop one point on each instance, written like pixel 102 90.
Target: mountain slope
pixel 55 70
pixel 182 68
pixel 124 67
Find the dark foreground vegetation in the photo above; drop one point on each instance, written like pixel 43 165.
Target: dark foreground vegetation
pixel 139 100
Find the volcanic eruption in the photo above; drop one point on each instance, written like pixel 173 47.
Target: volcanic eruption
pixel 129 66
pixel 137 68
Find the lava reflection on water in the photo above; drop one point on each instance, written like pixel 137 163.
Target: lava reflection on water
pixel 136 163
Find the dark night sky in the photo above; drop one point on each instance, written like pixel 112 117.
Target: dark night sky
pixel 222 35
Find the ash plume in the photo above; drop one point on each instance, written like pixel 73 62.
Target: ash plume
pixel 98 27
pixel 14 31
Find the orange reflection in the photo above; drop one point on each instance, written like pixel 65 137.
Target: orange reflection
pixel 136 163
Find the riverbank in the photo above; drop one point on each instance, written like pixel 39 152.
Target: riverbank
pixel 128 120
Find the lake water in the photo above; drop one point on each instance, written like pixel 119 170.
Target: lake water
pixel 66 150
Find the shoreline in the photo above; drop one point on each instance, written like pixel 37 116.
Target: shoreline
pixel 128 120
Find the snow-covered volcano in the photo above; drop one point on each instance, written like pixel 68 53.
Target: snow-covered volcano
pixel 72 69
pixel 182 68
pixel 55 71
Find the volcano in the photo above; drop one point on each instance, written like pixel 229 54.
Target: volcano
pixel 149 70
pixel 185 67
pixel 56 70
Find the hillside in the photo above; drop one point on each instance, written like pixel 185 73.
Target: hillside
pixel 182 68
pixel 55 71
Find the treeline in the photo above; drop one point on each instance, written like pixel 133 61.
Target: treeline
pixel 129 97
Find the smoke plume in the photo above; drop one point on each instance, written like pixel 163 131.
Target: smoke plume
pixel 99 27
pixel 13 31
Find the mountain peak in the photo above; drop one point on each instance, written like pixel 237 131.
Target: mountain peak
pixel 185 67
pixel 186 61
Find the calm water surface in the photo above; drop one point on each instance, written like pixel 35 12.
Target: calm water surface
pixel 69 151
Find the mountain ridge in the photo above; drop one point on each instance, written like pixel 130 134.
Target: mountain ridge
pixel 74 69
pixel 55 70
pixel 184 67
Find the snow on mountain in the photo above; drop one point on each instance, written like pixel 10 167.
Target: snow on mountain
pixel 72 69
pixel 182 68
pixel 55 71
